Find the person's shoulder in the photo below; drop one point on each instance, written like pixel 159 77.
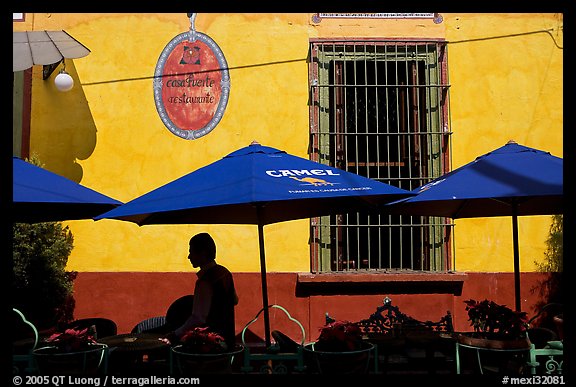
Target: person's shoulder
pixel 218 270
pixel 222 268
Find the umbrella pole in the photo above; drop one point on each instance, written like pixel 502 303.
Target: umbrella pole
pixel 516 256
pixel 264 285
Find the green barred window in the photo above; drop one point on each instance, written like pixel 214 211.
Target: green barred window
pixel 380 108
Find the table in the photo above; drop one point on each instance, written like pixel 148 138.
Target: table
pixel 137 353
pixel 134 342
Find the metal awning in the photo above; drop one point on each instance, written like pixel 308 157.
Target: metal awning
pixel 47 48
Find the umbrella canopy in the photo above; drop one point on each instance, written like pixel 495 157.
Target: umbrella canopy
pixel 257 185
pixel 43 196
pixel 513 180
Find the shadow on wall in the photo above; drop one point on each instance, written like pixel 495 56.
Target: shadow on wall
pixel 65 131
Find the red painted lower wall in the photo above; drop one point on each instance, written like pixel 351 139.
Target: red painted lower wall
pixel 128 297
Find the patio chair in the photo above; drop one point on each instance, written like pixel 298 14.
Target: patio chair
pixel 176 315
pixel 284 350
pixel 546 351
pixel 25 341
pixel 151 324
pixel 179 311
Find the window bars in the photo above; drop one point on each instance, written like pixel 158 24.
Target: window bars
pixel 380 108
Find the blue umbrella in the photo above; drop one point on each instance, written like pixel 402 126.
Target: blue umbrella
pixel 257 185
pixel 43 196
pixel 513 180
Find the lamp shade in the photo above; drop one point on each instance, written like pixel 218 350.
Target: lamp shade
pixel 63 81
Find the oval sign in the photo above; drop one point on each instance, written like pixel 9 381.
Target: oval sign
pixel 191 85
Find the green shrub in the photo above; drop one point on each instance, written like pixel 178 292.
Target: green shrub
pixel 553 257
pixel 550 289
pixel 42 286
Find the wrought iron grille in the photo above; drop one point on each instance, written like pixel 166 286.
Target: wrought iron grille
pixel 380 108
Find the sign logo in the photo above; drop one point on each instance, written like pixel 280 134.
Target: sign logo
pixel 308 175
pixel 312 181
pixel 191 84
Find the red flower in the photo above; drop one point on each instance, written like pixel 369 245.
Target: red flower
pixel 339 336
pixel 201 340
pixel 72 340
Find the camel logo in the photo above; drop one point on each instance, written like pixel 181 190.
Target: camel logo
pixel 306 176
pixel 312 181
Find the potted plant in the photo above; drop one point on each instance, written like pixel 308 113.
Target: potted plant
pixel 495 326
pixel 339 349
pixel 73 351
pixel 202 351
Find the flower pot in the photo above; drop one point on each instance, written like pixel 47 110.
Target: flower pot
pixel 489 355
pixel 338 363
pixel 88 362
pixel 493 343
pixel 186 363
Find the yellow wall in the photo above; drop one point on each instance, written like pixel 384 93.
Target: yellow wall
pixel 506 76
pixel 506 83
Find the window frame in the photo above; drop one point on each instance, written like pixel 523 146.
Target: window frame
pixel 319 63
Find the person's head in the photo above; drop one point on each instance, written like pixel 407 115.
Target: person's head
pixel 202 249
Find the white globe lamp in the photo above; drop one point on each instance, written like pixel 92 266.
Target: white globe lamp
pixel 63 81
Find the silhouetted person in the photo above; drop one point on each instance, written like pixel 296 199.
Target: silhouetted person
pixel 214 293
